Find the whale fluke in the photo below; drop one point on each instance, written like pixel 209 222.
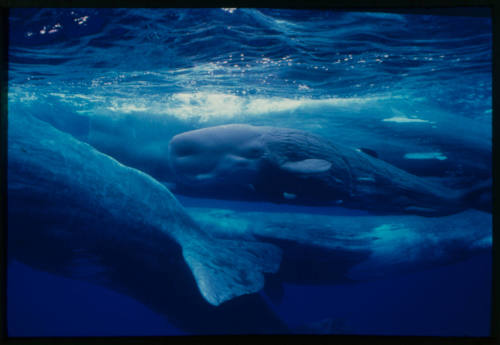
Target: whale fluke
pixel 224 269
pixel 74 211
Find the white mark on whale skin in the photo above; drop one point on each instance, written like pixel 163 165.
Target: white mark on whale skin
pixel 367 178
pixel 307 166
pixel 289 196
pixel 201 177
pixel 425 155
pixel 403 119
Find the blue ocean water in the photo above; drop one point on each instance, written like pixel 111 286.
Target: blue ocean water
pixel 414 88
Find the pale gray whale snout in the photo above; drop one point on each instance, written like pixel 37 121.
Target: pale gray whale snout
pixel 202 157
pixel 284 165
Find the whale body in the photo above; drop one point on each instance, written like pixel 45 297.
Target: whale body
pixel 319 249
pixel 76 212
pixel 79 213
pixel 457 151
pixel 284 165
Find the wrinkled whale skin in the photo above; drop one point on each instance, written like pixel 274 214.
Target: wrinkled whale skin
pixel 320 248
pixel 291 166
pixel 76 212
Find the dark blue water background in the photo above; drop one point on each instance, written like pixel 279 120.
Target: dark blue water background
pixel 196 68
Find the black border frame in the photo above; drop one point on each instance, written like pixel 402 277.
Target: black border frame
pixel 457 7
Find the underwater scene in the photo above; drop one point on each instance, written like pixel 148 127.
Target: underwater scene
pixel 248 171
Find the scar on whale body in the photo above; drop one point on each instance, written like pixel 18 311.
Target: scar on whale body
pixel 285 165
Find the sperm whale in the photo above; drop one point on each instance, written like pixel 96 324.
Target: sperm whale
pixel 284 165
pixel 76 212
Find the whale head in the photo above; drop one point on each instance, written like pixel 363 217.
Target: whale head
pixel 258 163
pixel 225 155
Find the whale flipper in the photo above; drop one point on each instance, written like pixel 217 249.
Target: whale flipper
pixel 225 269
pixel 307 166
